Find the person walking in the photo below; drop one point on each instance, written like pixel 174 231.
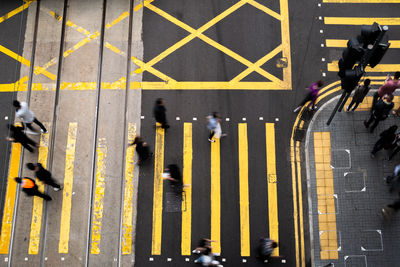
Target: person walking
pixel 387 140
pixel 173 174
pixel 380 112
pixel 30 187
pixel 389 210
pixel 159 113
pixel 43 175
pixel 394 179
pixel 142 149
pixel 213 124
pixel 27 116
pixel 359 95
pixel 17 136
pixel 312 96
pixel 265 247
pixel 388 87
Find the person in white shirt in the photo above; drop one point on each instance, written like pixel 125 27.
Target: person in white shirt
pixel 23 112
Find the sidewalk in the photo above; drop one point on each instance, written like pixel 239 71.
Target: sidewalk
pixel 347 190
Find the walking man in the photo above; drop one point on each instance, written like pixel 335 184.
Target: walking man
pixel 43 175
pixel 312 96
pixel 389 210
pixel 380 111
pixel 159 113
pixel 214 125
pixel 388 87
pixel 17 136
pixel 27 116
pixel 30 187
pixel 387 140
pixel 359 95
pixel 142 149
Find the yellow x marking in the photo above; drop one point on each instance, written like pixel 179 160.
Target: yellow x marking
pixel 15 11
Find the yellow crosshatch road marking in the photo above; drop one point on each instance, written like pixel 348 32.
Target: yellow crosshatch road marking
pixel 37 209
pixel 98 204
pixel 187 180
pixel 244 191
pixel 67 190
pixel 360 21
pixel 15 11
pixel 158 192
pixel 325 196
pixel 216 195
pixel 126 242
pixel 272 187
pixel 343 43
pixel 9 202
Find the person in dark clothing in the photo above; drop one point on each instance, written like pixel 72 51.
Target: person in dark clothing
pixel 30 188
pixel 142 149
pixel 159 113
pixel 387 140
pixel 173 174
pixel 359 95
pixel 18 136
pixel 394 179
pixel 43 175
pixel 389 210
pixel 380 111
pixel 265 247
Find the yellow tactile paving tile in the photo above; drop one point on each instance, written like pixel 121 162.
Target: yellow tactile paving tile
pixel 325 196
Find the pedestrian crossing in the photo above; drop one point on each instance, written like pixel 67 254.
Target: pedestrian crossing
pixel 101 182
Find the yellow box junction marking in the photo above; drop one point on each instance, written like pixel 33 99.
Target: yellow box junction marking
pixel 244 191
pixel 378 68
pixel 127 216
pixel 15 11
pixel 9 203
pixel 187 180
pixel 272 188
pixel 216 195
pixel 100 189
pixel 360 21
pixel 158 192
pixel 325 196
pixel 37 210
pixel 362 1
pixel 67 190
pixel 343 43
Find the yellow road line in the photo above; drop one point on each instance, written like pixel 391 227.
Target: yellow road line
pixel 272 188
pixel 360 21
pixel 265 9
pixel 98 204
pixel 298 160
pixel 325 196
pixel 120 18
pixel 67 190
pixel 244 191
pixel 333 66
pixel 286 52
pixel 8 210
pixel 294 190
pixel 139 6
pixel 127 216
pixel 37 210
pixel 363 1
pixel 187 180
pixel 143 66
pixel 158 192
pixel 216 195
pixel 343 43
pixel 15 11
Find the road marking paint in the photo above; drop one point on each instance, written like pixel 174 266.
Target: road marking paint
pixel 158 192
pixel 272 185
pixel 363 1
pixel 139 6
pixel 298 160
pixel 143 66
pixel 343 43
pixel 187 180
pixel 120 18
pixel 286 52
pixel 360 21
pixel 15 11
pixel 325 196
pixel 9 203
pixel 37 210
pixel 216 195
pixel 265 9
pixel 98 204
pixel 244 191
pixel 65 223
pixel 126 243
pixel 333 66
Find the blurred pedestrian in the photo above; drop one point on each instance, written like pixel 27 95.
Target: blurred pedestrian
pixel 203 244
pixel 387 140
pixel 312 95
pixel 389 210
pixel 17 136
pixel 359 95
pixel 207 258
pixel 142 149
pixel 27 116
pixel 43 175
pixel 213 124
pixel 30 188
pixel 394 179
pixel 265 247
pixel 159 113
pixel 388 87
pixel 380 111
pixel 173 174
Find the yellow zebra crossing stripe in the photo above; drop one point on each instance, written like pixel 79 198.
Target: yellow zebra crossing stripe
pixel 67 190
pixel 187 180
pixel 360 21
pixel 343 43
pixel 216 195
